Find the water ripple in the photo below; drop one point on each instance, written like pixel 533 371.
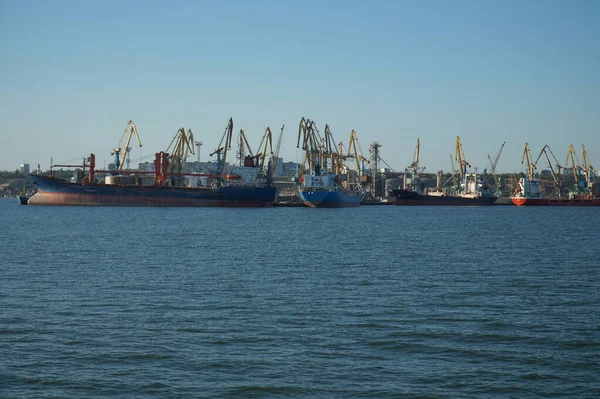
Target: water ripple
pixel 374 302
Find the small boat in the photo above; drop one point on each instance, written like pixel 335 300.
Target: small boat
pixel 23 197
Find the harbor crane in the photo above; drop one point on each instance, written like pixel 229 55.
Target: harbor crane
pixel 129 131
pixel 453 176
pixel 414 166
pixel 274 157
pixel 412 172
pixel 531 167
pixel 493 163
pixel 331 152
pixel 588 169
pixel 355 152
pixel 265 147
pixel 580 184
pixel 223 147
pixel 555 176
pixel 572 156
pixel 462 161
pixel 311 145
pixel 180 147
pixel 244 149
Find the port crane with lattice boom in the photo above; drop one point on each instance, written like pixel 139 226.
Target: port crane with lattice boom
pixel 130 130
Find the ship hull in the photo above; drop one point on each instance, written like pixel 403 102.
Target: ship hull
pixel 520 201
pixel 60 192
pixel 331 199
pixel 405 197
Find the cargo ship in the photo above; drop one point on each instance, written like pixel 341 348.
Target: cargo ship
pixel 529 193
pixel 130 190
pixel 322 177
pixel 472 192
pixel 438 198
pixel 325 191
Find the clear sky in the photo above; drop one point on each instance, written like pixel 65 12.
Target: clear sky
pixel 72 73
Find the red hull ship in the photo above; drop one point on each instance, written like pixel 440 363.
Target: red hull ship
pixel 528 193
pixel 521 201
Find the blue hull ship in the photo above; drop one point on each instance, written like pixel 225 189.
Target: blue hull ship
pixel 324 191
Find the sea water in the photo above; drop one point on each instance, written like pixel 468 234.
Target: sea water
pixel 369 302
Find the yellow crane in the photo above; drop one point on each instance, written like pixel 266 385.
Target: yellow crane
pixel 527 157
pixel 223 147
pixel 461 159
pixel 571 155
pixel 355 152
pixel 265 147
pixel 129 131
pixel 179 149
pixel 243 145
pixel 312 146
pixel 555 176
pixel 330 152
pixel 588 169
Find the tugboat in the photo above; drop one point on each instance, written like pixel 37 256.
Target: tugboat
pixel 23 197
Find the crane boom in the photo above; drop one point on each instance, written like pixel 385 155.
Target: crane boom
pixel 223 147
pixel 266 147
pixel 179 148
pixel 453 177
pixel 278 145
pixel 571 154
pixel 130 129
pixel 415 163
pixel 588 169
pixel 461 159
pixel 527 157
pixel 494 163
pixel 545 151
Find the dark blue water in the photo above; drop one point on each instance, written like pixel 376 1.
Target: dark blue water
pixel 371 302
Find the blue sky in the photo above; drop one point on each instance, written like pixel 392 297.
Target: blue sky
pixel 72 73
